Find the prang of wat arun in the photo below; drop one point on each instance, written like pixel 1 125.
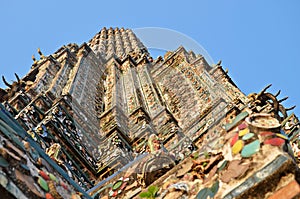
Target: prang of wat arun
pixel 106 120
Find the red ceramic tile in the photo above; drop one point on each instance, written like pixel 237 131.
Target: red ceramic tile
pixel 234 139
pixel 242 126
pixel 288 192
pixel 44 175
pixel 275 141
pixel 266 133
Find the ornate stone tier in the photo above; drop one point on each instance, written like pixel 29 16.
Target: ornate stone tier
pixel 27 171
pixel 119 42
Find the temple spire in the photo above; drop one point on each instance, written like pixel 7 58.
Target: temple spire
pixel 117 41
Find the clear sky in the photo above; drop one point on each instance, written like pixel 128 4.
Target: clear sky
pixel 258 41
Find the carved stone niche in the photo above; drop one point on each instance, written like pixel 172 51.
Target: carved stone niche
pixel 139 145
pixel 20 101
pixel 125 65
pixel 170 135
pixel 113 120
pixel 139 116
pixel 10 109
pixel 43 103
pixel 122 140
pixel 162 120
pixel 232 112
pixel 108 121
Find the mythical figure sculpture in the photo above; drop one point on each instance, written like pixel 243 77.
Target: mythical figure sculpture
pixel 156 164
pixel 269 103
pixel 13 88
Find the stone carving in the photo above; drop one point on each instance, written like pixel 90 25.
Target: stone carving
pixel 268 103
pixel 156 164
pixel 131 103
pixel 15 87
pixel 149 95
pixel 99 103
pixel 172 100
pixel 53 152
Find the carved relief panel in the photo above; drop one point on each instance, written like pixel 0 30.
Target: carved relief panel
pixel 179 97
pixel 84 86
pixel 149 93
pixel 45 76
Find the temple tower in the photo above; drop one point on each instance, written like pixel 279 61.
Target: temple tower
pixel 101 104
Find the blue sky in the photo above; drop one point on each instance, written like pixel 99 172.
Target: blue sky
pixel 258 41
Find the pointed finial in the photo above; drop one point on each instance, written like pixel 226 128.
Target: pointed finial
pixel 34 61
pixel 219 63
pixel 33 58
pixel 40 53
